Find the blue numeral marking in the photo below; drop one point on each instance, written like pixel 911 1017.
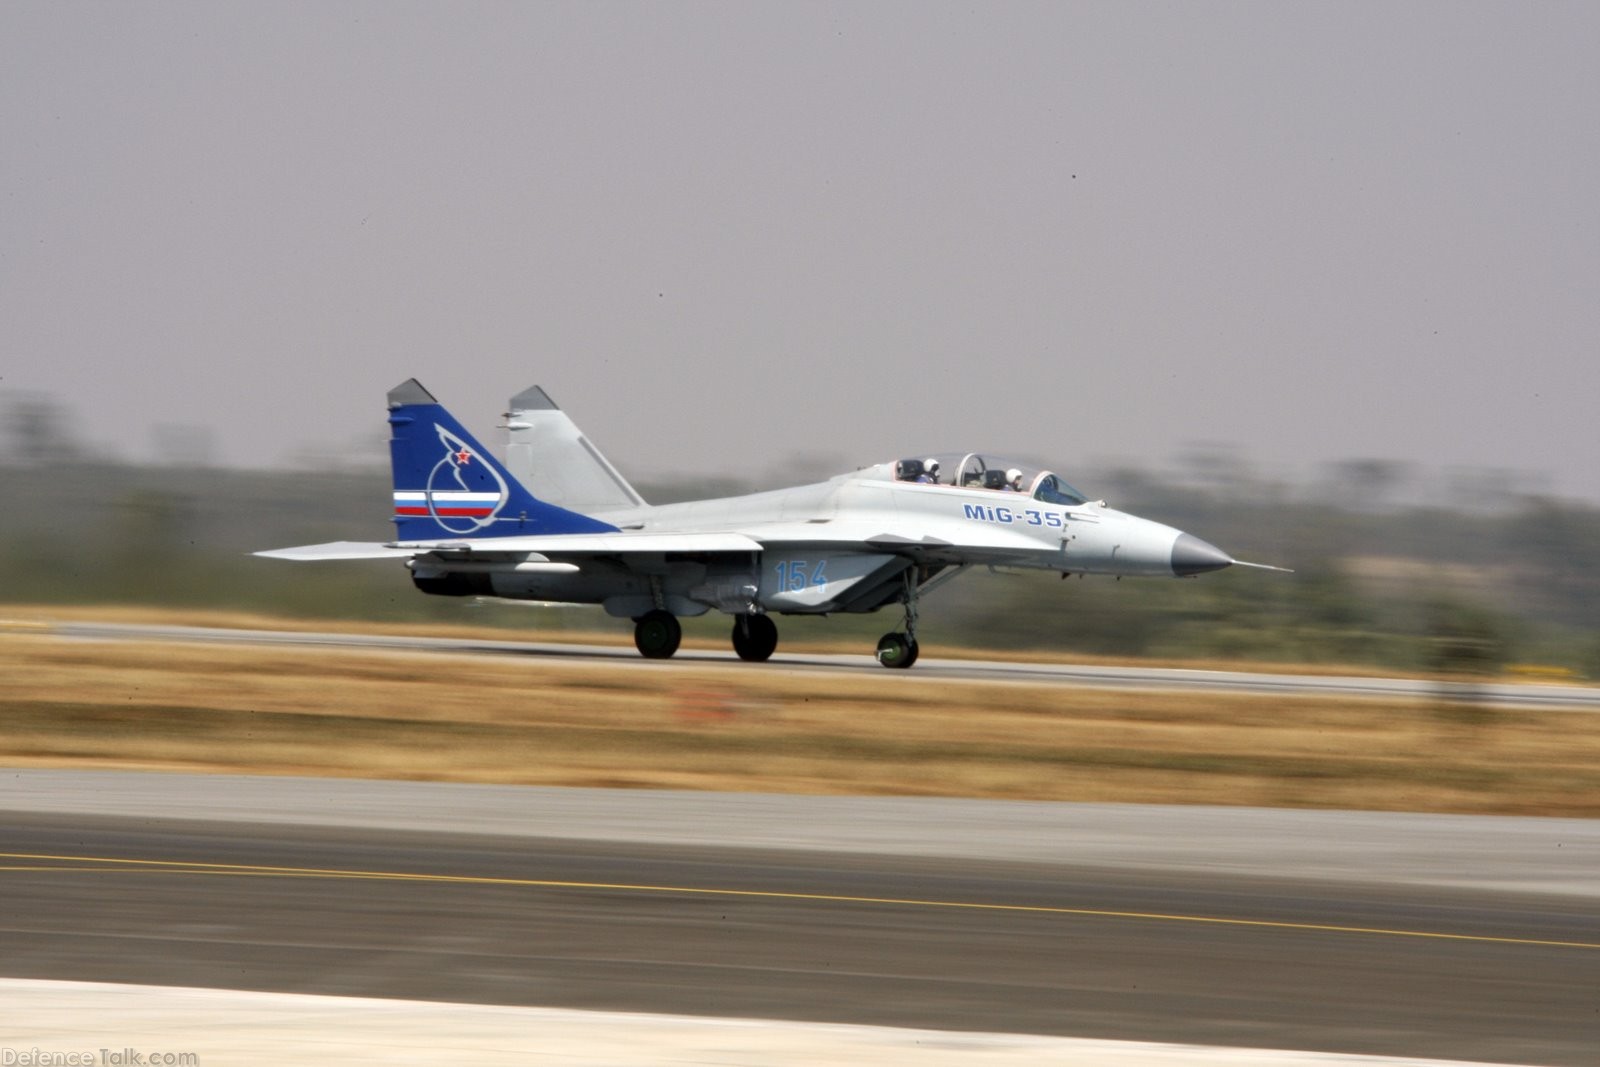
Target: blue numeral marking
pixel 794 575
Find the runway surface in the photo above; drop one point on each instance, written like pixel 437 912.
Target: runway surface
pixel 1458 957
pixel 1503 694
pixel 179 1027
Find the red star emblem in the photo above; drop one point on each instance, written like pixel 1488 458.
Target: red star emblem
pixel 462 457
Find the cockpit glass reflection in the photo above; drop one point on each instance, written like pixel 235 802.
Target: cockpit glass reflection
pixel 973 470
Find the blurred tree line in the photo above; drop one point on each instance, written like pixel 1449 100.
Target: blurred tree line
pixel 1383 578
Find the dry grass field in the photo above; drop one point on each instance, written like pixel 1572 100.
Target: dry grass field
pixel 262 710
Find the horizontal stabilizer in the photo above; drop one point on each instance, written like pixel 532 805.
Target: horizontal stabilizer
pixel 340 550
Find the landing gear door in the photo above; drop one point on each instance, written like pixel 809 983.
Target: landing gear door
pixel 814 581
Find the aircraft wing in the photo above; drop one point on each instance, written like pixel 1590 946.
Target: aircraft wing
pixel 964 540
pixel 600 544
pixel 596 544
pixel 871 536
pixel 971 540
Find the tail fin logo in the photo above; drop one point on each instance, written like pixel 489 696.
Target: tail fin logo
pixel 463 495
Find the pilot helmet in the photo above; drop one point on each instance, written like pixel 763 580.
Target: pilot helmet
pixel 1014 478
pixel 931 465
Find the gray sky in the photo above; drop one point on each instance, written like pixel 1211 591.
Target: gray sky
pixel 723 234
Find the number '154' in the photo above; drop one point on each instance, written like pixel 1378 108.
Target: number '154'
pixel 794 575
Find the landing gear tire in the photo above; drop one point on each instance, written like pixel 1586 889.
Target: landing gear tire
pixel 754 637
pixel 656 634
pixel 897 650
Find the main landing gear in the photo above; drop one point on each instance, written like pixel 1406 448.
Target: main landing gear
pixel 657 634
pixel 754 637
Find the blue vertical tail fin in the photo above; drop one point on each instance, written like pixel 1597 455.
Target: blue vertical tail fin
pixel 446 485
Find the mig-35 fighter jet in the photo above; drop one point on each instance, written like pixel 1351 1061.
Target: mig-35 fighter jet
pixel 557 523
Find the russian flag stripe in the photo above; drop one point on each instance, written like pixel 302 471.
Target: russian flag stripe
pixel 455 503
pixel 445 495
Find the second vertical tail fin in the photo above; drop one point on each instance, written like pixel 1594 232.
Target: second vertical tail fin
pixel 552 457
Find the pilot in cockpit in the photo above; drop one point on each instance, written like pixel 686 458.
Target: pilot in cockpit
pixel 1014 480
pixel 930 472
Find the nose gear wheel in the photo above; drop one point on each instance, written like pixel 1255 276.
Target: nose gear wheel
pixel 897 650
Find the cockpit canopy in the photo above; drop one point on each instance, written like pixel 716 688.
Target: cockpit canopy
pixel 971 470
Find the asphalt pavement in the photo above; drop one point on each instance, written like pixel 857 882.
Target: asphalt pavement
pixel 1115 926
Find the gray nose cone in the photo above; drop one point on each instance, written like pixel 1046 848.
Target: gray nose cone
pixel 1190 555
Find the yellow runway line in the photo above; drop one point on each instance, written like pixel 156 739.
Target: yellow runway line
pixel 112 863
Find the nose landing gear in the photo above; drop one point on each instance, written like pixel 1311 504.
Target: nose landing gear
pixel 899 650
